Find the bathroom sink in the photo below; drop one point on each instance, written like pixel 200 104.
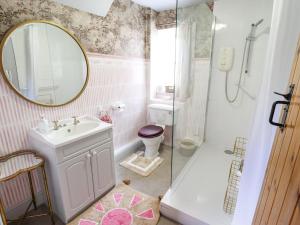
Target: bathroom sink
pixel 73 130
pixel 70 132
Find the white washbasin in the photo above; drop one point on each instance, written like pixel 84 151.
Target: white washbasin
pixel 70 133
pixel 73 130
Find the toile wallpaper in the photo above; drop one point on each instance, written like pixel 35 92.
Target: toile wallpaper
pixel 121 32
pixel 203 17
pixel 166 19
pixel 124 31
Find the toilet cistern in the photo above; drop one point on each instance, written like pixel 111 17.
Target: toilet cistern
pixel 160 115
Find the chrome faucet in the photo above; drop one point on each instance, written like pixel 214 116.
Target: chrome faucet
pixel 75 121
pixel 56 126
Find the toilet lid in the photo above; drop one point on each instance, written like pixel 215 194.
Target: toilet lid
pixel 150 131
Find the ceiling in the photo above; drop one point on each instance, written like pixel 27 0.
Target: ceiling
pixel 101 7
pixel 161 5
pixel 98 7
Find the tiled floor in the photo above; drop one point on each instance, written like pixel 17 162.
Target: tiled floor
pixel 179 161
pixel 43 220
pixel 155 184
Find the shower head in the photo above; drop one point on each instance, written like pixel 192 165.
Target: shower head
pixel 258 23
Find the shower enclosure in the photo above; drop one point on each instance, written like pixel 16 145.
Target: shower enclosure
pixel 216 59
pixel 194 38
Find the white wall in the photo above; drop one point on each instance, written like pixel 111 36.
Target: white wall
pixel 226 121
pixel 283 40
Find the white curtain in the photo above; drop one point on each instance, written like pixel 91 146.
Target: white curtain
pixel 188 121
pixel 185 48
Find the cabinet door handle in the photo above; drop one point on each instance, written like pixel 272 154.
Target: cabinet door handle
pixel 88 156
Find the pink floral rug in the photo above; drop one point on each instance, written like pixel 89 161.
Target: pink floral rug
pixel 122 206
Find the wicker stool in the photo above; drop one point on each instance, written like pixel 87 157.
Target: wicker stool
pixel 19 163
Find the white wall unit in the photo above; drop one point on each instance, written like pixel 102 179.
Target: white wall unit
pixel 79 172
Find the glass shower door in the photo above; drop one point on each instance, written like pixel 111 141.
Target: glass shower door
pixel 192 72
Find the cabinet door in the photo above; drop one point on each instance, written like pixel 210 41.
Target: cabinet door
pixel 77 184
pixel 103 168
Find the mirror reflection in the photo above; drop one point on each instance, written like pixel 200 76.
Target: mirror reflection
pixel 44 63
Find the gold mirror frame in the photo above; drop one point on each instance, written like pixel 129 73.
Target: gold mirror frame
pixel 3 42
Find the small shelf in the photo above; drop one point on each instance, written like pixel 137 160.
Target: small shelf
pixel 235 173
pixel 239 149
pixel 233 187
pixel 14 164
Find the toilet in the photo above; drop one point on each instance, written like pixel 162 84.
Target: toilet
pixel 160 115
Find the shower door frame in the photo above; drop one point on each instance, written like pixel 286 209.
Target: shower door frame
pixel 179 177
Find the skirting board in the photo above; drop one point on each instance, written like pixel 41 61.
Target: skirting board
pixel 16 212
pixel 127 149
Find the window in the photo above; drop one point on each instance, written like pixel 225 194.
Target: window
pixel 162 64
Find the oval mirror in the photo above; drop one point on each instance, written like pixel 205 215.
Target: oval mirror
pixel 44 63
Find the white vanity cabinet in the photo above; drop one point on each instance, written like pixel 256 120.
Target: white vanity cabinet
pixel 79 172
pixel 76 181
pixel 102 160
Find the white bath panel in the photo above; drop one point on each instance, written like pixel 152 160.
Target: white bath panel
pixel 197 195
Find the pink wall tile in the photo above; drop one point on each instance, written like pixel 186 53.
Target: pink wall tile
pixel 111 79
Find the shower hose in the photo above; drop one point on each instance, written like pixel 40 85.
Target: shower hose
pixel 232 100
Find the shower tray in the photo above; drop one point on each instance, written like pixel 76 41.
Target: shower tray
pixel 197 195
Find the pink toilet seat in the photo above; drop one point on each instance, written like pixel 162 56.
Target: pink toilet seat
pixel 150 131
